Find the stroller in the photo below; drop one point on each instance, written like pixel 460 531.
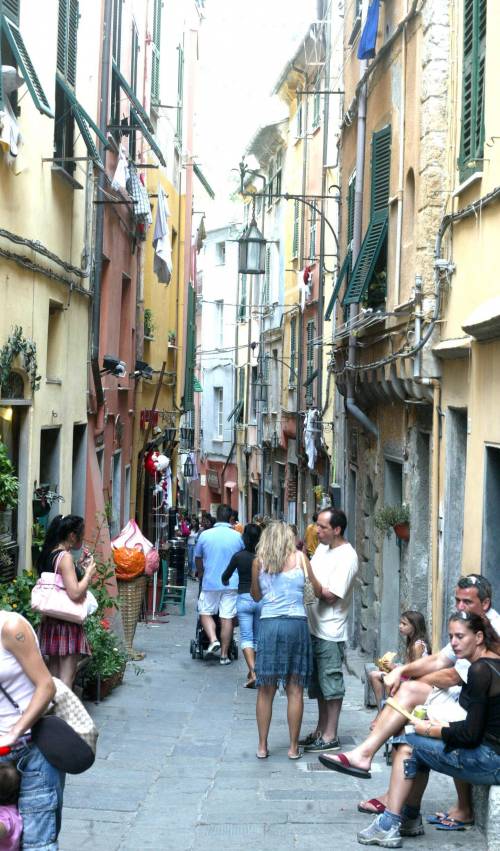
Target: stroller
pixel 199 644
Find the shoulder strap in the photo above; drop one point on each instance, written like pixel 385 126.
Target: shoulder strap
pixel 10 699
pixel 492 667
pixel 300 556
pixel 58 561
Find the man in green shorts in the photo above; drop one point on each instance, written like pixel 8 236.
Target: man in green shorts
pixel 335 565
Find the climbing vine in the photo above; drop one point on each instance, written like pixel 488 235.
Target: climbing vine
pixel 19 345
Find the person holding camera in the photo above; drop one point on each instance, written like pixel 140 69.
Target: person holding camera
pixel 63 642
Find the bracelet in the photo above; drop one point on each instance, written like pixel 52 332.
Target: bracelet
pixel 429 728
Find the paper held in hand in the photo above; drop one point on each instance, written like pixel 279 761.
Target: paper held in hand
pixel 395 705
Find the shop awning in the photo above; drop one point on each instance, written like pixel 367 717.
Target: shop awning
pixel 203 180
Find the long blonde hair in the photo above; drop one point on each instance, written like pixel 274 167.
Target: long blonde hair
pixel 276 545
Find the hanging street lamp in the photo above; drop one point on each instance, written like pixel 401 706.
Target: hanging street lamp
pixel 188 468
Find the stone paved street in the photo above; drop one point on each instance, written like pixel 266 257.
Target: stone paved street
pixel 176 766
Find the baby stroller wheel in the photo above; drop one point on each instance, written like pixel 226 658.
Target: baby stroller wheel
pixel 193 649
pixel 234 650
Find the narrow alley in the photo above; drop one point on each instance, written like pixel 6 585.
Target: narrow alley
pixel 176 767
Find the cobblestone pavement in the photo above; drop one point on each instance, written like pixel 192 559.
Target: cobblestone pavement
pixel 176 766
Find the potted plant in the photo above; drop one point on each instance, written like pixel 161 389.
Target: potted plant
pixel 395 517
pixel 149 327
pixel 9 483
pixel 15 596
pixel 43 500
pixel 37 539
pixel 171 337
pixel 106 666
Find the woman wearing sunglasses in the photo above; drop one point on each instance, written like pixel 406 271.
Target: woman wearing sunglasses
pixel 468 750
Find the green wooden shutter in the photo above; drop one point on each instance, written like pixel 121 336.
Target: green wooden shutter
pixel 73 17
pixel 62 37
pixel 296 228
pixel 309 359
pixel 67 39
pixel 344 269
pixel 351 192
pixel 155 57
pixel 267 277
pixel 11 9
pixel 317 104
pixel 243 299
pixel 381 170
pixel 190 352
pixel 293 348
pixel 116 45
pixel 180 90
pixel 26 69
pixel 367 257
pixel 473 86
pixel 134 58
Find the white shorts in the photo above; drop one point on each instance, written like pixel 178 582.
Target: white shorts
pixel 222 603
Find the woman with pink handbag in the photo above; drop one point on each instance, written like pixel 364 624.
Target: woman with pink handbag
pixel 61 641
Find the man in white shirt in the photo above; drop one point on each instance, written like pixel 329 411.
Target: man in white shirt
pixel 335 565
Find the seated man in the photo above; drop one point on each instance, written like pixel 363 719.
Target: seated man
pixel 472 594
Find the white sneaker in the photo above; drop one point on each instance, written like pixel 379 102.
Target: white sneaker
pixel 214 647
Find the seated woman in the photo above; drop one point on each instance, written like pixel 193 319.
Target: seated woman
pixel 467 750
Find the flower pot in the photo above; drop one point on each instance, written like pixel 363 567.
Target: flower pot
pixel 402 531
pixel 107 686
pixel 40 509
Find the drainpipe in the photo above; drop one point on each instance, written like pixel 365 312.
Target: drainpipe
pixel 321 293
pixel 402 119
pixel 99 227
pixel 300 359
pixel 350 403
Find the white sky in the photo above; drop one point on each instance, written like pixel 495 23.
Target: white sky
pixel 244 45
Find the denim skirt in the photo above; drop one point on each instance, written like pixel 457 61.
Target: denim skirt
pixel 284 652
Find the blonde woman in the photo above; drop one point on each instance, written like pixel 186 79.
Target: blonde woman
pixel 284 654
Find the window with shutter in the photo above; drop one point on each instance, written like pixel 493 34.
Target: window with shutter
pixel 317 104
pixel 296 228
pixel 267 278
pixel 242 309
pixel 473 87
pixel 188 402
pixel 309 360
pixel 293 349
pixel 13 44
pixel 370 268
pixel 155 53
pixel 67 107
pixel 180 91
pixel 312 234
pixel 346 267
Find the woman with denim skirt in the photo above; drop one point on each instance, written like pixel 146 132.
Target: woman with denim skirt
pixel 467 750
pixel 284 652
pixel 26 679
pixel 248 610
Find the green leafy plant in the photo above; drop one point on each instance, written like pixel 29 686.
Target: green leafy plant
pixel 391 515
pixel 172 336
pixel 149 326
pixel 15 596
pixel 9 483
pixel 16 345
pixel 108 656
pixel 37 535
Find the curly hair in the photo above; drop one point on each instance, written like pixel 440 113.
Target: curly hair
pixel 276 545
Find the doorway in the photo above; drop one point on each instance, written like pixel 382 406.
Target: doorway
pixel 491 519
pixel 79 470
pixel 453 526
pixel 391 560
pixel 50 439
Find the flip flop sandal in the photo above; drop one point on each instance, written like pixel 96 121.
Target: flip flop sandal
pixel 340 763
pixel 437 818
pixel 453 824
pixel 297 756
pixel 263 755
pixel 378 807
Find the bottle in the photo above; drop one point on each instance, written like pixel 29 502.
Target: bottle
pixel 420 712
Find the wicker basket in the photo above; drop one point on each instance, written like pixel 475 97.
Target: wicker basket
pixel 131 595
